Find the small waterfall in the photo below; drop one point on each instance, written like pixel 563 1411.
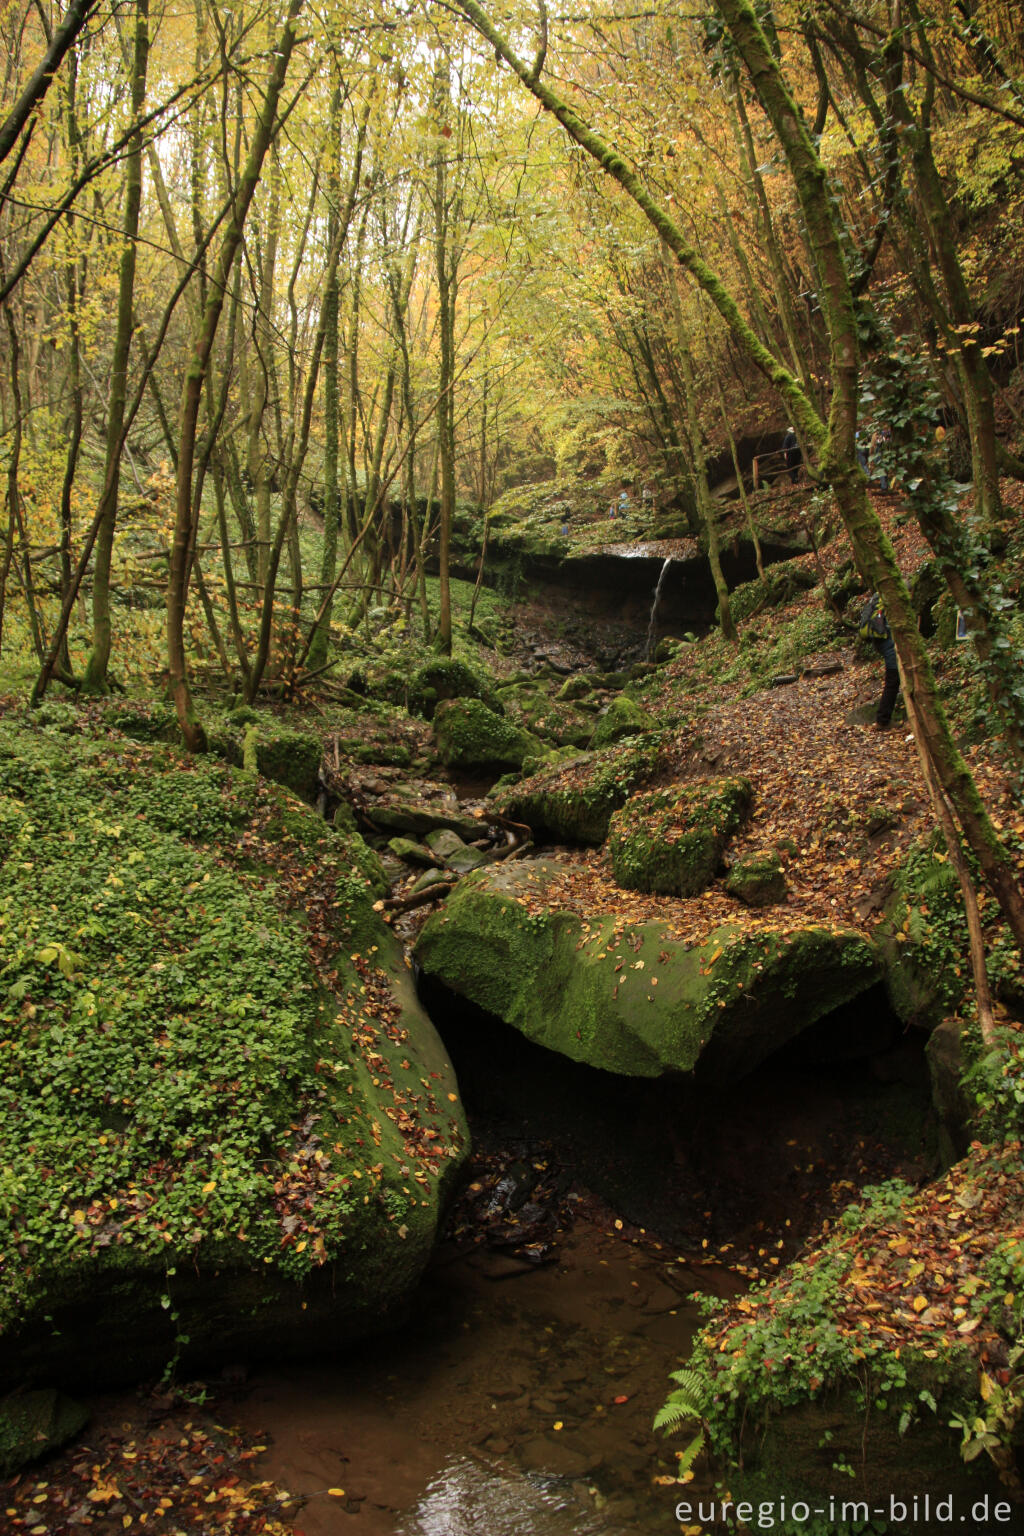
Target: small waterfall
pixel 654 610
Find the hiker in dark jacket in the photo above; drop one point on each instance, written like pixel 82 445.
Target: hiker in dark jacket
pixel 791 448
pixel 874 625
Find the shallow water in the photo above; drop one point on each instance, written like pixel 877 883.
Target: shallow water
pixel 516 1402
pixel 468 1497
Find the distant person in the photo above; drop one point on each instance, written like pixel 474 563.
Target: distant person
pixel 879 444
pixel 873 625
pixel 794 456
pixel 862 452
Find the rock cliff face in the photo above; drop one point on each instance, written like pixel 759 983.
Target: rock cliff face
pixel 225 1121
pixel 631 998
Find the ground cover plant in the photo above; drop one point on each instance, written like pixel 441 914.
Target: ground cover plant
pixel 193 990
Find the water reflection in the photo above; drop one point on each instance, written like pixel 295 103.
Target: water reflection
pixel 472 1498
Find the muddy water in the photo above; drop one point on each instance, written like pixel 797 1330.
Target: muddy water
pixel 517 1402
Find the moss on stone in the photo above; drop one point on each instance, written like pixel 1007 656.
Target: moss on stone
pixel 622 718
pixel 449 677
pixel 573 802
pixel 637 1000
pixel 922 937
pixel 284 756
pixel 201 1103
pixel 758 881
pixel 34 1423
pixel 469 735
pixel 670 841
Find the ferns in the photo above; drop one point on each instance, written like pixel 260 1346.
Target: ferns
pixel 688 1400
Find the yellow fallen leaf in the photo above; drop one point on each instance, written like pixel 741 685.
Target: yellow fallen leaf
pixel 336 1493
pixel 557 1424
pixel 919 1303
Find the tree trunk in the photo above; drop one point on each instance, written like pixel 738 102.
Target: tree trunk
pixel 95 676
pixel 177 581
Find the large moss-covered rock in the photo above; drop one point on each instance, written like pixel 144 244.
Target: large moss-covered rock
pixel 573 801
pixel 923 937
pixel 285 756
pixel 863 1358
pixel 469 735
pixel 671 840
pixel 551 719
pixel 622 718
pixel 634 999
pixel 223 1113
pixel 449 677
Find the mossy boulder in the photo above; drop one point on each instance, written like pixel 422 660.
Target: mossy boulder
pixel 576 687
pixel 284 756
pixel 469 735
pixel 758 881
pixel 573 801
pixel 622 718
pixel 922 937
pixel 449 677
pixel 34 1423
pixel 671 840
pixel 550 719
pixel 212 1118
pixel 857 1359
pixel 633 998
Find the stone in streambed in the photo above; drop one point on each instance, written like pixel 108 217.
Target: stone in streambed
pixel 469 735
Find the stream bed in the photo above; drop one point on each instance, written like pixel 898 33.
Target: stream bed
pixel 517 1401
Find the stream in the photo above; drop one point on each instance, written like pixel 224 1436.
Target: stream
pixel 517 1400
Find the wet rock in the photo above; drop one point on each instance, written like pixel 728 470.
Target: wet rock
pixel 420 816
pixel 586 988
pixel 430 877
pixel 411 853
pixel 559 1453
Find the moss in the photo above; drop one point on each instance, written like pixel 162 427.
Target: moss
pixel 758 882
pixel 622 718
pixel 782 582
pixel 213 1040
pixel 670 841
pixel 550 719
pixel 574 802
pixel 923 939
pixel 574 688
pixel 636 1001
pixel 287 757
pixel 34 1423
pixel 469 735
pixel 449 677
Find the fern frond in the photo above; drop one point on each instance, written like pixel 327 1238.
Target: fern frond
pixel 691 1453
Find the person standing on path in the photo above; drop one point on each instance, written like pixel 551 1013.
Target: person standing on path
pixel 794 457
pixel 873 625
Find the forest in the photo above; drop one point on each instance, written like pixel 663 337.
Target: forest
pixel 467 918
